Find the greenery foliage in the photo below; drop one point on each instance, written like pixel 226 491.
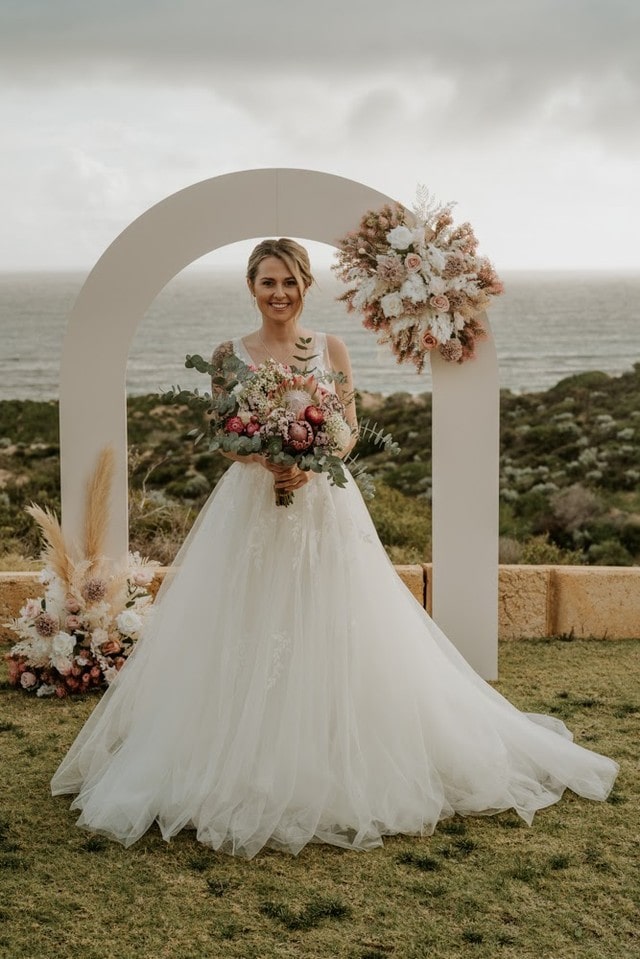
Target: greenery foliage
pixel 569 472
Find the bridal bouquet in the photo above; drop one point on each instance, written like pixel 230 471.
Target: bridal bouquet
pixel 289 416
pixel 417 280
pixel 78 636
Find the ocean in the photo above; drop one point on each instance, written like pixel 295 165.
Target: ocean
pixel 547 326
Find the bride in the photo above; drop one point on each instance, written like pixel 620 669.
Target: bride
pixel 288 687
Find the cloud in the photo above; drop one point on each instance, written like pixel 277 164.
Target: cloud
pixel 470 66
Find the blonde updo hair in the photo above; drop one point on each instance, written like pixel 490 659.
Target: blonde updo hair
pixel 293 255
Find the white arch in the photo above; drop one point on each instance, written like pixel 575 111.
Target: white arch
pixel 316 206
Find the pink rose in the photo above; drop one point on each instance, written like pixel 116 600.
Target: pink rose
pixel 428 341
pixel 412 262
pixel 234 425
pixel 31 609
pixel 28 680
pixel 439 303
pixel 72 605
pixel 73 623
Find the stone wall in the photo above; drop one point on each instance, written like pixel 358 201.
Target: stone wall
pixel 601 602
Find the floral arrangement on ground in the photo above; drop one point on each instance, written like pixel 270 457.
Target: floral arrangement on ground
pixel 417 280
pixel 78 636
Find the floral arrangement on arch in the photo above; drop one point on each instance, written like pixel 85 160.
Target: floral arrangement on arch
pixel 417 280
pixel 78 636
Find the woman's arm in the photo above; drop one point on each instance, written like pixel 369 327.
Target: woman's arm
pixel 341 363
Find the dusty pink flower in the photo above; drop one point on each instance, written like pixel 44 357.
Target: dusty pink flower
pixel 94 590
pixel 252 429
pixel 13 668
pixel 428 341
pixel 439 303
pixel 413 262
pixel 391 269
pixel 142 577
pixel 119 662
pixel 46 625
pixel 73 623
pixel 61 692
pixel 454 266
pixel 451 350
pixel 28 680
pixel 72 605
pixel 110 647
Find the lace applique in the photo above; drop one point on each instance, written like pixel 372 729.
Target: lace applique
pixel 281 644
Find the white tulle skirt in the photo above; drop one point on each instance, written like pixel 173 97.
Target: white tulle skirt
pixel 290 689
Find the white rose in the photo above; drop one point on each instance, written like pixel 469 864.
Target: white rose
pixel 458 322
pixel 400 237
pixel 128 622
pixel 391 304
pixel 62 646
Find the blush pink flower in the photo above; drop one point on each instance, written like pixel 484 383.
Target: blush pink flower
pixel 428 341
pixel 73 623
pixel 72 605
pixel 439 303
pixel 28 680
pixel 412 262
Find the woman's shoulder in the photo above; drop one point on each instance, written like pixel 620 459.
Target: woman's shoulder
pixel 221 350
pixel 336 347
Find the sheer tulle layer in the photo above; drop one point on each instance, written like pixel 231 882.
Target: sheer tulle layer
pixel 290 689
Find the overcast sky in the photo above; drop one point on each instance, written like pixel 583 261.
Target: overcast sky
pixel 527 112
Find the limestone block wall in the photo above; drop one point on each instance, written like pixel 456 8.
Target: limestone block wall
pixel 601 602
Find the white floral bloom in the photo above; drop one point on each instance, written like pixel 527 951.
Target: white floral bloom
pixel 414 289
pixel 400 237
pixel 62 645
pixel 458 322
pixel 436 285
pixel 338 430
pixel 436 257
pixel 97 615
pixel 245 416
pixel 99 637
pixel 45 690
pixel 40 651
pixel 45 576
pixel 391 304
pixel 110 674
pixel 442 327
pixel 62 663
pixel 82 661
pixel 128 622
pixel 402 323
pixel 365 291
pixel 418 238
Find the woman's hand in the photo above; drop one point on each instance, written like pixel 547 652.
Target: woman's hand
pixel 287 478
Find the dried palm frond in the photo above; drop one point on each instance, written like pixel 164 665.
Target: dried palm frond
pixel 97 506
pixel 55 553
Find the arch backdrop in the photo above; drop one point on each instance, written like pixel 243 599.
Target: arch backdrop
pixel 317 206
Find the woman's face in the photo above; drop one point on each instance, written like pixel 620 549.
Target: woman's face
pixel 276 290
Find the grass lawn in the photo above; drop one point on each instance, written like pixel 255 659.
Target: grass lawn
pixel 483 887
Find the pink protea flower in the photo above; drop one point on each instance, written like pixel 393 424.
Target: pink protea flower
pixel 451 350
pixel 46 625
pixel 300 436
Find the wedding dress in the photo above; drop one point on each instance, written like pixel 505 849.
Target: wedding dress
pixel 289 689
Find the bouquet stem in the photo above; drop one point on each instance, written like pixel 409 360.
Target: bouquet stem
pixel 283 497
